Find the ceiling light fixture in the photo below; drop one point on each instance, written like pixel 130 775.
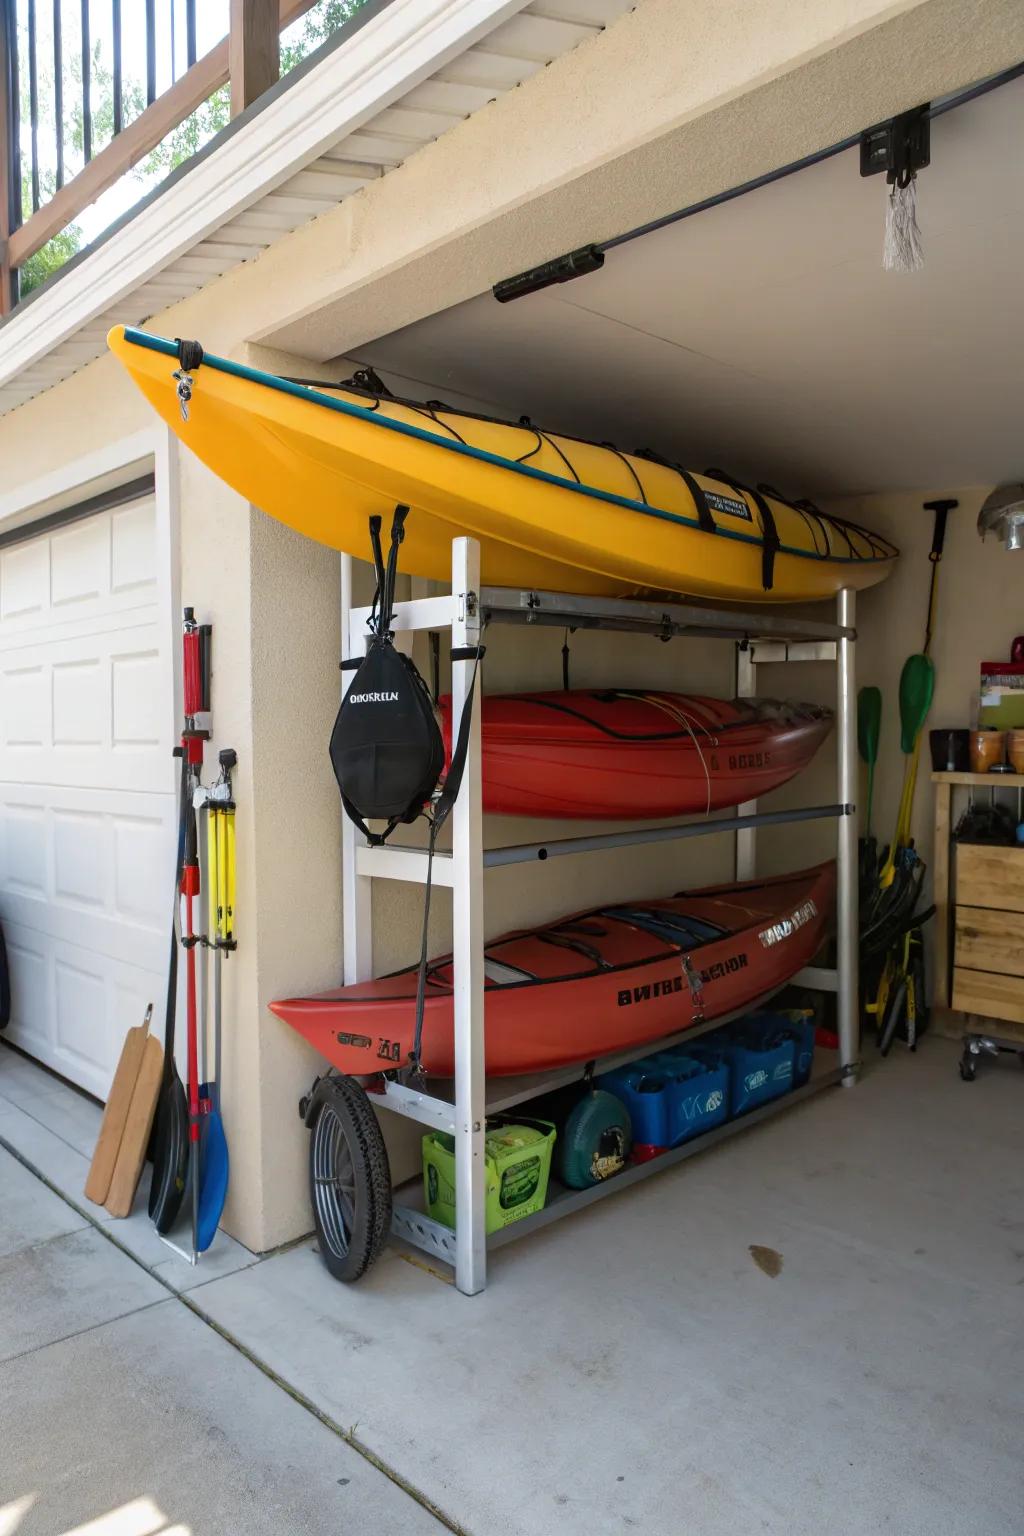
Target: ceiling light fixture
pixel 1003 514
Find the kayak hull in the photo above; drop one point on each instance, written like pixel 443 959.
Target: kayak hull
pixel 618 755
pixel 595 983
pixel 549 512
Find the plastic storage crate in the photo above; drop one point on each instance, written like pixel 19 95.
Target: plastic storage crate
pixel 762 1052
pixel 671 1097
pixel 517 1165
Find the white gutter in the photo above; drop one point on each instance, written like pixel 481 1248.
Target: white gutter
pixel 390 54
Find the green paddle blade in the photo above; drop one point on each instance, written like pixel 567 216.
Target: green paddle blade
pixel 917 685
pixel 869 723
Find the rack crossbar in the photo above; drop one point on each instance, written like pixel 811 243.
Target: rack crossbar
pixel 508 606
pixel 525 853
pixel 392 863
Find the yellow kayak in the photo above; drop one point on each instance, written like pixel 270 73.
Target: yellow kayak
pixel 549 511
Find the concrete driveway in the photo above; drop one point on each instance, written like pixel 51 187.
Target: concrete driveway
pixel 123 1414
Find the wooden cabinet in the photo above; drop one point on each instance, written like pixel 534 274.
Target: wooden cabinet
pixel 988 954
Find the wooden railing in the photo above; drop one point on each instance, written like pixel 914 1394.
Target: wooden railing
pixel 248 58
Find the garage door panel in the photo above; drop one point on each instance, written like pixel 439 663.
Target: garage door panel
pixel 71 1008
pixel 133 557
pixel 87 787
pixel 138 718
pixel 83 865
pixel 89 708
pixel 25 695
pixel 81 1016
pixel 24 580
pixel 24 850
pixel 88 573
pixel 79 703
pixel 80 563
pixel 30 986
pixel 143 869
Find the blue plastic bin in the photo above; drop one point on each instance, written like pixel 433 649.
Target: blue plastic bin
pixel 799 1023
pixel 671 1096
pixel 762 1058
pixel 803 1024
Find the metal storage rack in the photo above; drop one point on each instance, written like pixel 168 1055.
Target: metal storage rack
pixel 460 1107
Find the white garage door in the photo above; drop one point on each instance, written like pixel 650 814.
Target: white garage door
pixel 87 785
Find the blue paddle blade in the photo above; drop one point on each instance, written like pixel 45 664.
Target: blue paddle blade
pixel 213 1178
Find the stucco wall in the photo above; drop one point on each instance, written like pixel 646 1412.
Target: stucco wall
pixel 674 102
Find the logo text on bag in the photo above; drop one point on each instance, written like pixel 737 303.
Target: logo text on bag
pixel 373 698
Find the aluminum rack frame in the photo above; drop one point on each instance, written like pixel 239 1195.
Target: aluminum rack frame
pixel 460 1107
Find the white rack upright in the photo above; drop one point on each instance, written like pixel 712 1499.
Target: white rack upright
pixel 461 1107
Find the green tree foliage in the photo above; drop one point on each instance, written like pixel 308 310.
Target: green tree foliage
pixel 302 39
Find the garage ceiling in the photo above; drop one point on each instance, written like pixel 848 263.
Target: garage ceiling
pixel 764 335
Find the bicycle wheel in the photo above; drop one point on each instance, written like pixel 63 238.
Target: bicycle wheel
pixel 350 1181
pixel 895 1011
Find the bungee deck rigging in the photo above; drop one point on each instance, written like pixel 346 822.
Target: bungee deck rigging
pixel 549 510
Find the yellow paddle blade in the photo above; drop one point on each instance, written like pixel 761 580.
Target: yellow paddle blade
pixel 229 910
pixel 211 867
pixel 222 875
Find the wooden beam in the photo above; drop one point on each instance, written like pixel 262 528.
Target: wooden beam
pixel 130 146
pixel 254 50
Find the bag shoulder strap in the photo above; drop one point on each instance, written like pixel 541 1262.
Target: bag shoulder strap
pixel 460 750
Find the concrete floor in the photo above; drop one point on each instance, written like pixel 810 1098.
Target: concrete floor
pixel 633 1368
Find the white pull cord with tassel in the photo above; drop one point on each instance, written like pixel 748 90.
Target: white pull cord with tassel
pixel 902 250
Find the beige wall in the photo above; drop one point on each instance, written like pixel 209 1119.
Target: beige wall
pixel 980 609
pixel 674 102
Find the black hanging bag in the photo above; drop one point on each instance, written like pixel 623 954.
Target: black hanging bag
pixel 387 750
pixel 386 747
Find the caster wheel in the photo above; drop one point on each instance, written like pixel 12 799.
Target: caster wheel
pixel 349 1179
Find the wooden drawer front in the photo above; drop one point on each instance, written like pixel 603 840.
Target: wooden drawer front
pixel 999 997
pixel 990 877
pixel 987 940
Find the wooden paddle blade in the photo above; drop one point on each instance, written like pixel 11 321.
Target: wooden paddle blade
pixel 138 1125
pixel 115 1115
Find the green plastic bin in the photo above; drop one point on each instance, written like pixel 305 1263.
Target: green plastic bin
pixel 517 1162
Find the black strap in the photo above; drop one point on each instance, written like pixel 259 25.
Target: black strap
pixel 770 541
pixel 190 354
pixel 442 810
pixel 351 663
pixel 391 574
pixel 460 749
pixel 378 566
pixel 704 514
pixel 375 839
pixel 435 666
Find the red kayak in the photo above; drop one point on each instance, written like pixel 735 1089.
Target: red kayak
pixel 597 982
pixel 618 755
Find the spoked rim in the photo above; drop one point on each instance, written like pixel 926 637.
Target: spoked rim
pixel 334 1180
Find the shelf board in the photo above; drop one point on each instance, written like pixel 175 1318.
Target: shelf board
pixel 562 1201
pixel 433 1103
pixel 410 1225
pixel 989 780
